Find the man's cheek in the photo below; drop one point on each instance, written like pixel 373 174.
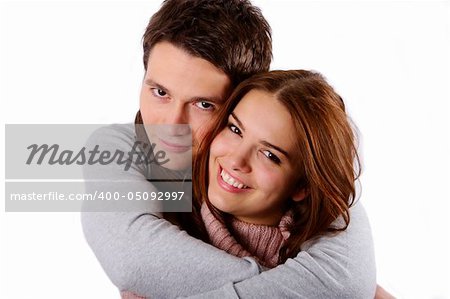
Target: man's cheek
pixel 199 131
pixel 148 114
pixel 143 99
pixel 146 118
pixel 196 140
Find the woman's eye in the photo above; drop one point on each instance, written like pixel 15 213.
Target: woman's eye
pixel 271 156
pixel 205 106
pixel 234 129
pixel 159 92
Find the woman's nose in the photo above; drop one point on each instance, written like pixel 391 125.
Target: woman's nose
pixel 240 160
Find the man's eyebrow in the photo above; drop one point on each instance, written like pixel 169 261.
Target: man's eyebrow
pixel 213 99
pixel 216 100
pixel 157 85
pixel 266 143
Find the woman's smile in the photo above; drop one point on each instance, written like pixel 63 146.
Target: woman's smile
pixel 230 183
pixel 251 172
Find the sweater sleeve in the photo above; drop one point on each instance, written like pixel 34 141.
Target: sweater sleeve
pixel 140 251
pixel 340 266
pixel 143 253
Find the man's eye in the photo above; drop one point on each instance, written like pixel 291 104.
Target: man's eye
pixel 271 156
pixel 205 106
pixel 159 92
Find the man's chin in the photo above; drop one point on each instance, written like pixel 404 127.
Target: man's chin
pixel 178 162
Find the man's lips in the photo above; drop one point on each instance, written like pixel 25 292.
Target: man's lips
pixel 175 147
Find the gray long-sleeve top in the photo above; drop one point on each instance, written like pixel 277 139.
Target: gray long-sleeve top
pixel 145 254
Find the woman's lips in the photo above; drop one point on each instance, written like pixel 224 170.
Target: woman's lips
pixel 226 186
pixel 174 147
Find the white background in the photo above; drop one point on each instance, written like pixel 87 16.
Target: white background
pixel 81 62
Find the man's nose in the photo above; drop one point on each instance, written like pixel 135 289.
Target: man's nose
pixel 177 129
pixel 177 121
pixel 177 115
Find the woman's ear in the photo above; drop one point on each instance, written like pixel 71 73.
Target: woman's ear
pixel 300 194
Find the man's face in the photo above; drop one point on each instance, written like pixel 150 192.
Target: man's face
pixel 179 88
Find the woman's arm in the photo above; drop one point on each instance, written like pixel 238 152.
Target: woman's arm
pixel 147 255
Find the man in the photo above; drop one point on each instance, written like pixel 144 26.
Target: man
pixel 195 53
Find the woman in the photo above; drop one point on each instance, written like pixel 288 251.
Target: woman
pixel 279 166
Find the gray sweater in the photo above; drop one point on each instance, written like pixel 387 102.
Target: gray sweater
pixel 147 255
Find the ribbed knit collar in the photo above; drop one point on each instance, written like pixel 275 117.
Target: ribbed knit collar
pixel 262 242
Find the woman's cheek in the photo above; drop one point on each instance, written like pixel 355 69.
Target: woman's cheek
pixel 220 145
pixel 268 178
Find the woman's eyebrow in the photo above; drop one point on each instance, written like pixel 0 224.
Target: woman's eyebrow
pixel 238 121
pixel 263 142
pixel 268 144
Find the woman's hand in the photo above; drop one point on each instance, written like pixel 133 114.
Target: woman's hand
pixel 382 294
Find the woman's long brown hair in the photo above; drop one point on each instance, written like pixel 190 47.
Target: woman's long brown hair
pixel 328 162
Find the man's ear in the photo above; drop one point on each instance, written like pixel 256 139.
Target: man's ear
pixel 300 194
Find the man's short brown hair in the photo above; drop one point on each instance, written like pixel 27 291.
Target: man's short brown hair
pixel 231 34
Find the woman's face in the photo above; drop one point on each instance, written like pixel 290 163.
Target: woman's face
pixel 252 161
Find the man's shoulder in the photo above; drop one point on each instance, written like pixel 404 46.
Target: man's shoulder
pixel 115 135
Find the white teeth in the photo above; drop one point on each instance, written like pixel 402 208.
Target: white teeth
pixel 230 181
